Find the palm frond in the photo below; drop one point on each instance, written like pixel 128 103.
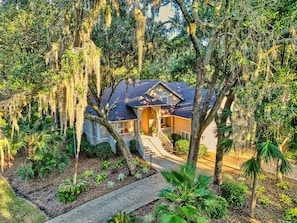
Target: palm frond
pixel 285 167
pixel 268 151
pixel 251 167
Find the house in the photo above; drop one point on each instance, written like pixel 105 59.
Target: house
pixel 139 107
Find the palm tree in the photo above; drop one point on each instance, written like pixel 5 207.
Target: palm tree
pixel 267 152
pixel 188 199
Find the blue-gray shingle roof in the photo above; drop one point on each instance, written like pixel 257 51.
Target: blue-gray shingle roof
pixel 129 95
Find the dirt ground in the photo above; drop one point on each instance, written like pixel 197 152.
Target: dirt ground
pixel 43 191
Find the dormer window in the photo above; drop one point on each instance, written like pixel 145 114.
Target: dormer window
pixel 164 97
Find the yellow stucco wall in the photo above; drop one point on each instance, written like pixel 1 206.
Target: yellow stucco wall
pixel 208 137
pixel 181 124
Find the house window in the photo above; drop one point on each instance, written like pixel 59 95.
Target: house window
pixel 118 126
pixel 185 135
pixel 164 97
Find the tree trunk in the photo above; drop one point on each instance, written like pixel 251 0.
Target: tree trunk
pixel 194 148
pixel 218 172
pixel 126 153
pixel 30 149
pixel 197 117
pixel 221 121
pixel 279 175
pixel 254 196
pixel 75 169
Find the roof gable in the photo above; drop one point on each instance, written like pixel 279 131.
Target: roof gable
pixel 136 94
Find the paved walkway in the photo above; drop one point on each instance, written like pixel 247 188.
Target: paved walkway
pixel 127 199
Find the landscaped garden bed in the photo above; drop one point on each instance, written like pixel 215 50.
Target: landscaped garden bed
pixel 43 191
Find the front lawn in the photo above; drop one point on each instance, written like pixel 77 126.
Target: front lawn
pixel 14 209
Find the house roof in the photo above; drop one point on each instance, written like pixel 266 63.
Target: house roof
pixel 127 96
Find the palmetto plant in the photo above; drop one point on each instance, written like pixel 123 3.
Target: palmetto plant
pixel 267 152
pixel 188 199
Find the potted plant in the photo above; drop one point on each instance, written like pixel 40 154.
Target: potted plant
pixel 154 131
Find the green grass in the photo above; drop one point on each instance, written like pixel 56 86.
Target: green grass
pixel 14 209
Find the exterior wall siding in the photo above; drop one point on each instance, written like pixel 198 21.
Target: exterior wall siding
pixel 159 90
pixel 208 137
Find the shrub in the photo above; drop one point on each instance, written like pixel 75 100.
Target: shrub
pixel 67 191
pixel 291 214
pixel 100 177
pixel 88 173
pixel 138 176
pixel 148 218
pixel 234 192
pixel 103 151
pixel 202 151
pixel 260 190
pixel 228 177
pixel 132 146
pixel 104 165
pixel 110 184
pixel 264 200
pixel 87 148
pixel 285 199
pixel 25 173
pixel 121 176
pixel 262 177
pixel 291 155
pixel 219 208
pixel 123 217
pixel 145 170
pixel 42 163
pixel 175 137
pixel 136 161
pixel 182 146
pixel 285 185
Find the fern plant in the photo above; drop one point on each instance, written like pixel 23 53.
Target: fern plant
pixel 67 191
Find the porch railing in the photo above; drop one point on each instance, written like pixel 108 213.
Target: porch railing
pixel 167 143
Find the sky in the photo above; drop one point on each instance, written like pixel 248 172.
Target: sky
pixel 165 13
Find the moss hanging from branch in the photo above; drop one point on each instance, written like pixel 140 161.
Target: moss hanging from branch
pixel 140 34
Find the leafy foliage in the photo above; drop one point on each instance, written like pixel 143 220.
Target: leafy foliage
pixel 101 150
pixel 285 185
pixel 132 146
pixel 203 149
pixel 188 198
pixel 234 193
pixel 264 200
pixel 67 191
pixel 88 173
pixel 291 214
pixel 175 137
pixel 123 217
pixel 182 146
pixel 105 164
pixel 43 163
pixel 100 177
pixel 110 184
pixel 121 177
pixel 285 199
